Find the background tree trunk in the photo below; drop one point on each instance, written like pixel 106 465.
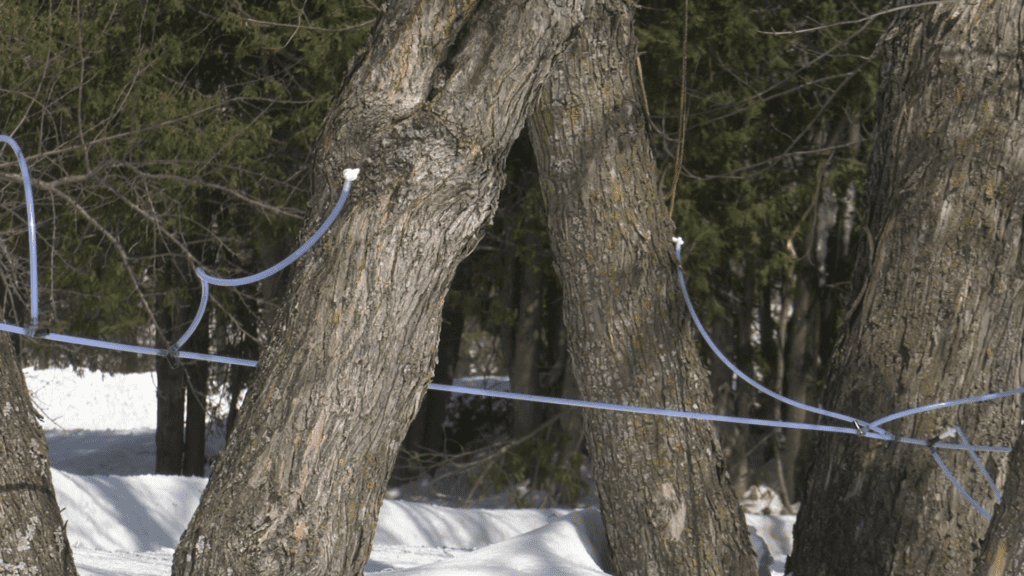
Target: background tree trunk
pixel 171 382
pixel 32 535
pixel 428 111
pixel 667 505
pixel 943 301
pixel 197 376
pixel 426 433
pixel 802 347
pixel 523 370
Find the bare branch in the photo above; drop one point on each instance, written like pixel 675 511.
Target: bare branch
pixel 857 21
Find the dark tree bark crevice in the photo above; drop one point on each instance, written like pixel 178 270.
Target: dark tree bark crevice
pixel 1002 552
pixel 524 372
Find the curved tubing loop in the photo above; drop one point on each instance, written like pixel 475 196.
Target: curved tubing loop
pixel 174 350
pixel 30 208
pixel 963 491
pixel 862 427
pixel 350 175
pixel 977 460
pixel 873 429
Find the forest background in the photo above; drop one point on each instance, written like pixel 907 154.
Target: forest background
pixel 165 137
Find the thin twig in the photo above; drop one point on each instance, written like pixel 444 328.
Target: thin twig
pixel 858 21
pixel 682 114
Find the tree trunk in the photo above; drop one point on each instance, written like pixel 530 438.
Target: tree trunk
pixel 32 535
pixel 942 301
pixel 802 346
pixel 428 111
pixel 667 506
pixel 523 370
pixel 170 398
pixel 435 403
pixel 196 388
pixel 733 438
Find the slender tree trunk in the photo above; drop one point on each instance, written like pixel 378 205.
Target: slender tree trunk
pixel 429 112
pixel 801 370
pixel 524 372
pixel 32 535
pixel 942 301
pixel 733 438
pixel 435 404
pixel 196 388
pixel 170 397
pixel 667 506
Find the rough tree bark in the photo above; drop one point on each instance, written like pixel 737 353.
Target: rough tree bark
pixel 941 301
pixel 428 111
pixel 1002 552
pixel 33 540
pixel 667 506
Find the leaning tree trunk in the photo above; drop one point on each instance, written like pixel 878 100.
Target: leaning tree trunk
pixel 32 535
pixel 667 506
pixel 428 112
pixel 942 301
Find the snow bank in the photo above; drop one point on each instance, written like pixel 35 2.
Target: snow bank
pixel 123 521
pixel 126 513
pixel 129 525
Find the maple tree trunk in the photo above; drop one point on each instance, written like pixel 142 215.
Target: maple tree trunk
pixel 32 535
pixel 940 305
pixel 428 112
pixel 667 506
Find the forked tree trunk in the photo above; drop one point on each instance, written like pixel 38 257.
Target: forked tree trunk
pixel 942 303
pixel 668 508
pixel 428 112
pixel 32 535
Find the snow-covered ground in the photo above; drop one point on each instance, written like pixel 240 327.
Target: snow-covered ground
pixel 123 521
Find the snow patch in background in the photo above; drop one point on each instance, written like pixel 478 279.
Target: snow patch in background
pixel 100 401
pixel 124 521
